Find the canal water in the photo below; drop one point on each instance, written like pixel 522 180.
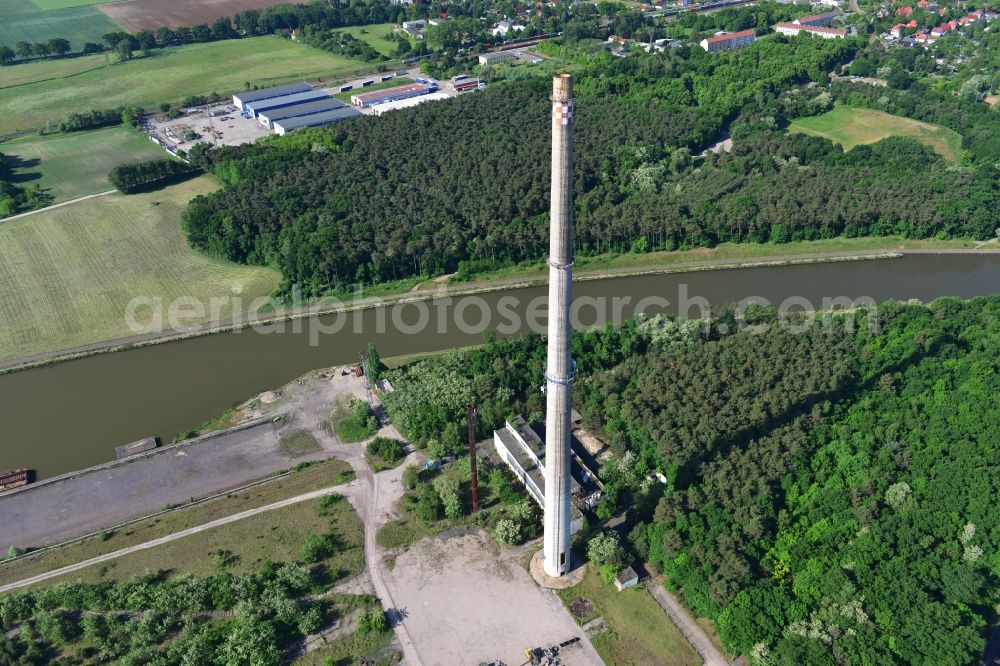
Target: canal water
pixel 73 414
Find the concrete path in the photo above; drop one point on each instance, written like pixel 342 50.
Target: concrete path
pixel 58 205
pixel 102 497
pixel 315 494
pixel 688 627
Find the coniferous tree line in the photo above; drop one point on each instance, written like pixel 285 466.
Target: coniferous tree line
pixel 131 178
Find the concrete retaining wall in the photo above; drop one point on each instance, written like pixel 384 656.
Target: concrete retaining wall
pixel 131 459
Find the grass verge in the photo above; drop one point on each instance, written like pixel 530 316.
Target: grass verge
pixel 639 632
pixel 353 421
pixel 357 647
pixel 725 252
pixel 299 444
pixel 313 477
pixel 243 546
pixel 378 85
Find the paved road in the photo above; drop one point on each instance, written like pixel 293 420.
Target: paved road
pixel 58 205
pixel 315 494
pixel 688 627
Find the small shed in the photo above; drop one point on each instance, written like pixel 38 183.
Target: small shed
pixel 626 578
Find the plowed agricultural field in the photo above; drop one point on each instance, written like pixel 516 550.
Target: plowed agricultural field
pixel 135 15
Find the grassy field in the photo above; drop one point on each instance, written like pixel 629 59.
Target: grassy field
pixel 851 126
pixel 24 20
pixel 54 68
pixel 166 75
pixel 72 165
pixel 352 421
pixel 68 274
pixel 640 633
pixel 275 535
pixel 374 35
pixel 317 475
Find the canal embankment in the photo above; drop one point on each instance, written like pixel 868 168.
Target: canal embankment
pixel 323 308
pixel 72 415
pixel 78 503
pixel 102 496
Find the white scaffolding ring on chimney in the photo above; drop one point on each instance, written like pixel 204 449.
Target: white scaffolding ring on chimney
pixel 565 381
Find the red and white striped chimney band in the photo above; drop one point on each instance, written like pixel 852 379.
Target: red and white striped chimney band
pixel 562 112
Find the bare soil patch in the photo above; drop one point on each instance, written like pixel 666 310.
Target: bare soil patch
pixel 136 15
pixel 582 607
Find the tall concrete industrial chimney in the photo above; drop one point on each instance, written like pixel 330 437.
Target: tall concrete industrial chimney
pixel 559 368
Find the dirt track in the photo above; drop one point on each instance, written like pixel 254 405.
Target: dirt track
pixel 136 15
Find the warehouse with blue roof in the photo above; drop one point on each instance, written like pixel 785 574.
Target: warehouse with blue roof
pixel 256 107
pixel 291 106
pixel 268 118
pixel 315 120
pixel 240 100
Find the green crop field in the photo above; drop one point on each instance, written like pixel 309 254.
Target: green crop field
pixel 167 76
pixel 72 165
pixel 57 68
pixel 374 34
pixel 67 274
pixel 851 126
pixel 25 21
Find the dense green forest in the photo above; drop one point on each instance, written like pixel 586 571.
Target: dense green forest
pixel 831 493
pixel 361 202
